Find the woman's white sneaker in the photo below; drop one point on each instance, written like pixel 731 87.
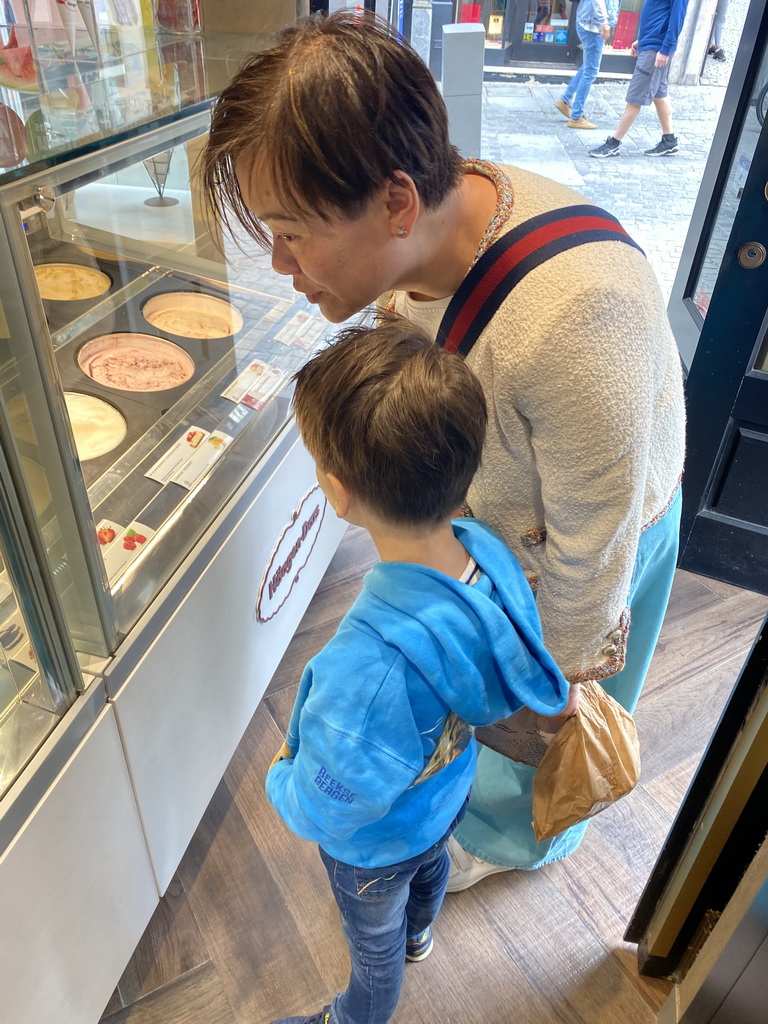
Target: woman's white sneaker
pixel 466 869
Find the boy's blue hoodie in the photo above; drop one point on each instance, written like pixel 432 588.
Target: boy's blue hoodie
pixel 372 704
pixel 661 22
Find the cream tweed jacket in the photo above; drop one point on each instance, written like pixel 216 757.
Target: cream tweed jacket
pixel 586 430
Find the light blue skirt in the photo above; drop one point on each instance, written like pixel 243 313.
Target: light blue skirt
pixel 497 826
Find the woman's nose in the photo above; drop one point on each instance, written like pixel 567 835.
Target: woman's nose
pixel 283 261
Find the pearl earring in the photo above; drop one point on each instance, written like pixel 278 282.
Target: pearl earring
pixel 402 232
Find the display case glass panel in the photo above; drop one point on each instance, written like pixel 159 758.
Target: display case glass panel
pixel 30 703
pixel 150 358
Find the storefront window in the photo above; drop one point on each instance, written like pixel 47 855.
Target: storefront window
pixel 547 22
pixel 626 27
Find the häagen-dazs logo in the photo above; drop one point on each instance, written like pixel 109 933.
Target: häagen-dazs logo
pixel 290 555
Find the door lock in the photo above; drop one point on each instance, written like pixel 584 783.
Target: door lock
pixel 751 255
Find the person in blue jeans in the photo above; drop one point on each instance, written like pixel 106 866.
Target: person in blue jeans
pixel 594 21
pixel 380 755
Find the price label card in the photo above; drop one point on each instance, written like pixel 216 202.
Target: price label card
pixel 209 451
pixel 302 329
pixel 177 455
pixel 254 385
pixel 120 545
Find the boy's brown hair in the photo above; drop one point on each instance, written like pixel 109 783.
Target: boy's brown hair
pixel 333 110
pixel 397 419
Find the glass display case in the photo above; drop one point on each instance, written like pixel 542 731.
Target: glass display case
pixel 147 360
pixel 39 677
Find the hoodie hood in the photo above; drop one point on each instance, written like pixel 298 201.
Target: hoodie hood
pixel 478 647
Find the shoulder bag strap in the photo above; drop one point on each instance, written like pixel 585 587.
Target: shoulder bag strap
pixel 510 258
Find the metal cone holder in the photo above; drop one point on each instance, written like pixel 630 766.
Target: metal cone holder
pixel 157 168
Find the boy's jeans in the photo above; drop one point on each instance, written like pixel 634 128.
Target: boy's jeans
pixel 379 907
pixel 578 88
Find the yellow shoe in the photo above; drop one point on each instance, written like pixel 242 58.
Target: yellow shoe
pixel 582 122
pixel 563 107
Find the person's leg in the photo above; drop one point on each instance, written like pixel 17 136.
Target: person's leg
pixel 718 25
pixel 592 44
pixel 497 828
pixel 427 891
pixel 570 90
pixel 372 908
pixel 628 118
pixel 669 144
pixel 664 112
pixel 639 94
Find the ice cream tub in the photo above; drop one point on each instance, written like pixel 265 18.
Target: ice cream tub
pixel 191 314
pixel 135 362
pixel 70 282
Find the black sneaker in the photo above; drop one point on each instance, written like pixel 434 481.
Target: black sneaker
pixel 419 947
pixel 611 147
pixel 666 147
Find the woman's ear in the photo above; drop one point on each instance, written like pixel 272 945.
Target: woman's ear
pixel 403 203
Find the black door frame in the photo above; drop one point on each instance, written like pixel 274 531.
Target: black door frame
pixel 724 418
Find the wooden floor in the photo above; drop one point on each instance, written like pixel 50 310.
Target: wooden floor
pixel 248 931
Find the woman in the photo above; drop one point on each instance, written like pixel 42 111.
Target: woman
pixel 333 149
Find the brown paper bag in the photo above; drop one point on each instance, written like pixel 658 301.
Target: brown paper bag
pixel 592 761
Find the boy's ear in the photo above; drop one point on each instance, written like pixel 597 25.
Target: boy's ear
pixel 341 498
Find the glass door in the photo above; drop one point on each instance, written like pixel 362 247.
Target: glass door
pixel 720 317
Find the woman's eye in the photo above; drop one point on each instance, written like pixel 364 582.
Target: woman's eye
pixel 287 238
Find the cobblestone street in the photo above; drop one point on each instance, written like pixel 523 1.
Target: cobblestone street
pixel 653 197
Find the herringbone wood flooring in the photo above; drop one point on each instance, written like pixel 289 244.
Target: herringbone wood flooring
pixel 248 931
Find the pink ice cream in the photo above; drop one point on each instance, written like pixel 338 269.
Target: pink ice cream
pixel 135 362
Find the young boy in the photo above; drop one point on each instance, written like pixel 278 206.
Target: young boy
pixel 379 756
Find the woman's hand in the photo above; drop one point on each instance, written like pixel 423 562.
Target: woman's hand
pixel 551 723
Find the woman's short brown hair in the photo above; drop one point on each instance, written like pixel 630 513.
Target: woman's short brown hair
pixel 333 110
pixel 397 419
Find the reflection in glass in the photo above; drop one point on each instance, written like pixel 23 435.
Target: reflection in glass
pixel 547 22
pixel 741 162
pixel 625 32
pixel 761 363
pixel 27 709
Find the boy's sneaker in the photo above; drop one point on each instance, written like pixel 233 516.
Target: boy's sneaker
pixel 581 122
pixel 563 107
pixel 611 147
pixel 323 1017
pixel 419 947
pixel 666 147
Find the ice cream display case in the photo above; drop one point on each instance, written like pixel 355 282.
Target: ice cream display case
pixel 163 369
pixel 171 525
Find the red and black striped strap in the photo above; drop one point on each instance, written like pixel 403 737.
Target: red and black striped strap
pixel 510 258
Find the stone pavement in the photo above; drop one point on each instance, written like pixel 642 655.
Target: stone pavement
pixel 653 197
